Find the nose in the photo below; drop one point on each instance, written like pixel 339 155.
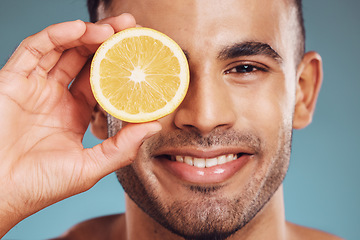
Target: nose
pixel 207 105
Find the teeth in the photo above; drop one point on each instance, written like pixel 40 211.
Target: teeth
pixel 179 158
pixel 222 159
pixel 230 157
pixel 210 162
pixel 199 162
pixel 189 160
pixel 206 162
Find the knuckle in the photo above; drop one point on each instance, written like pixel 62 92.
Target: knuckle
pixel 58 47
pixel 28 45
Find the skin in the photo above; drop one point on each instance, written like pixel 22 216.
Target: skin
pixel 255 108
pixel 258 108
pixel 263 105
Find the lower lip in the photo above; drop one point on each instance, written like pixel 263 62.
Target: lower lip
pixel 215 174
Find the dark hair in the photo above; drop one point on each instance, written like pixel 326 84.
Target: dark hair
pixel 93 6
pixel 300 18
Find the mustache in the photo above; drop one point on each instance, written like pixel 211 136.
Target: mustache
pixel 217 138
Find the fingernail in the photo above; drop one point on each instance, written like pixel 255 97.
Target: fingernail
pixel 105 25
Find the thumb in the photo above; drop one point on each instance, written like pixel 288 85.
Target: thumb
pixel 119 150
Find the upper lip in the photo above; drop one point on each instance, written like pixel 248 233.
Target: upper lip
pixel 203 152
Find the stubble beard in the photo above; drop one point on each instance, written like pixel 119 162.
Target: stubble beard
pixel 209 215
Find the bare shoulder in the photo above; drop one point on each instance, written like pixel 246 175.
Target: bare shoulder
pixel 301 232
pixel 96 228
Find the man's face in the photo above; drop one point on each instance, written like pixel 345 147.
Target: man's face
pixel 238 110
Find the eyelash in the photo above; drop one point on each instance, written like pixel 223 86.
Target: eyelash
pixel 246 69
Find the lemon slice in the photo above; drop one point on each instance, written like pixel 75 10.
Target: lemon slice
pixel 139 75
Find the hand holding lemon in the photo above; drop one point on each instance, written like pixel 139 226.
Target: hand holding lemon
pixel 42 159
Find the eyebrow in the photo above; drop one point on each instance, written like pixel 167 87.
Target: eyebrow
pixel 249 49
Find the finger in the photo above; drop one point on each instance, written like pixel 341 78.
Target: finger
pixel 32 49
pixel 121 22
pixel 73 60
pixel 61 71
pixel 59 37
pixel 80 89
pixel 67 67
pixel 118 23
pixel 120 150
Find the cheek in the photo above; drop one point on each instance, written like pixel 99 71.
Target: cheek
pixel 265 107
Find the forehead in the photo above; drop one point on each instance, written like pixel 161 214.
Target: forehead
pixel 196 24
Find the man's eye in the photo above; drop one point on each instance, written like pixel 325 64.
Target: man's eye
pixel 245 68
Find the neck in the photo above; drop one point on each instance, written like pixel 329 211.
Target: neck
pixel 269 223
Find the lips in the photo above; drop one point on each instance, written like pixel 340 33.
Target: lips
pixel 203 167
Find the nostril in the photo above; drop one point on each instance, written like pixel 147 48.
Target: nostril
pixel 189 127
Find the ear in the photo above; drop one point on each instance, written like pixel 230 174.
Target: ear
pixel 309 79
pixel 98 123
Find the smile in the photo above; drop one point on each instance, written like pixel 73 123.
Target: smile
pixel 205 162
pixel 196 167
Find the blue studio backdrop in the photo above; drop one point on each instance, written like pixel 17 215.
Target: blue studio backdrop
pixel 321 188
